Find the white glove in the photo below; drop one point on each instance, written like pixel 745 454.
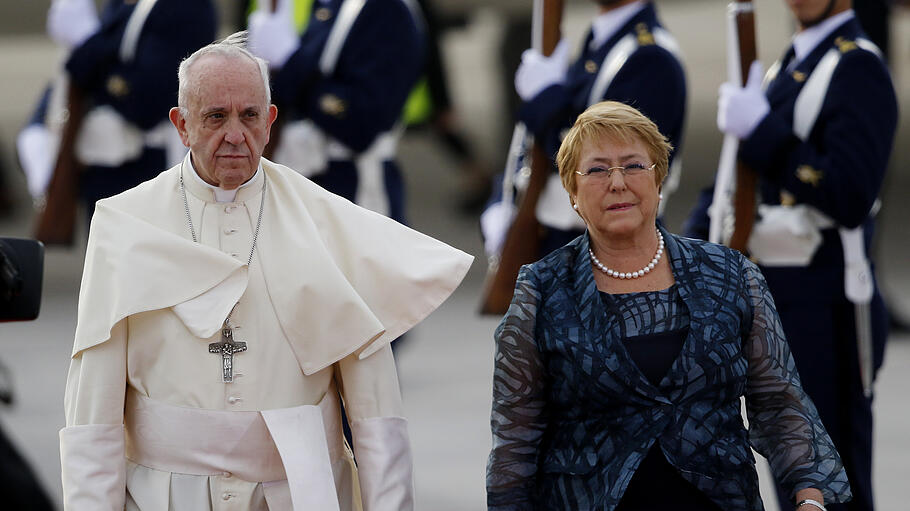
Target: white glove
pixel 537 72
pixel 494 224
pixel 272 35
pixel 71 22
pixel 37 148
pixel 740 110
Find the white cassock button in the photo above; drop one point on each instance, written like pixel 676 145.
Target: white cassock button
pixel 233 399
pixel 227 475
pixel 225 496
pixel 229 208
pixel 228 232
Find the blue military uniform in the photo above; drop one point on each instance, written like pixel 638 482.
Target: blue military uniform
pixel 836 168
pixel 352 96
pixel 642 68
pixel 139 83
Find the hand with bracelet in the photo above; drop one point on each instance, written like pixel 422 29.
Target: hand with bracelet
pixel 810 499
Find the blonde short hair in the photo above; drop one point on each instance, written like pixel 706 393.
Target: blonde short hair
pixel 617 121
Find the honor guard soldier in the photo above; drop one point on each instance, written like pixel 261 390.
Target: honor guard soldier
pixel 819 136
pixel 627 56
pixel 343 84
pixel 123 63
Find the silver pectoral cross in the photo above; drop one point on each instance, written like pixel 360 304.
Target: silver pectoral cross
pixel 227 347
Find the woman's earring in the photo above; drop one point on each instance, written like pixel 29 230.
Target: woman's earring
pixel 575 207
pixel 660 196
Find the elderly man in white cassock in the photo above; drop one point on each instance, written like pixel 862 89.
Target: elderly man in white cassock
pixel 225 307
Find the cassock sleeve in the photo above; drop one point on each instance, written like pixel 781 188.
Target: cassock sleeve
pixel 382 448
pixel 92 449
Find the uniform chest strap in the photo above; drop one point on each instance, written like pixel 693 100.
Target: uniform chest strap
pixel 298 444
pixel 618 55
pixel 134 29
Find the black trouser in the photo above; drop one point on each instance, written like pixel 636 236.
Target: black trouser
pixel 822 337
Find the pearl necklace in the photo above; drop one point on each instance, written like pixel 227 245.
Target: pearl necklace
pixel 635 274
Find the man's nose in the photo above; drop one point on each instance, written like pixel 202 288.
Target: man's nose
pixel 234 134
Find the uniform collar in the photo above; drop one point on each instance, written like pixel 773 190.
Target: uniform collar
pixel 807 40
pixel 605 25
pixel 210 193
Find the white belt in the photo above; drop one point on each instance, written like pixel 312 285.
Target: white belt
pixel 383 148
pixel 554 208
pixel 297 444
pixel 107 139
pixel 307 149
pixel 790 236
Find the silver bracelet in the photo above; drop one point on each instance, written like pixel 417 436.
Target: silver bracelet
pixel 811 503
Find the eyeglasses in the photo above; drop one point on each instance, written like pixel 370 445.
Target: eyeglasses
pixel 630 170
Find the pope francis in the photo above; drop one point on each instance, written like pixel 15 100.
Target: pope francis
pixel 225 307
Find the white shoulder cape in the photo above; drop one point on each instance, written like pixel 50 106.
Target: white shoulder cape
pixel 341 278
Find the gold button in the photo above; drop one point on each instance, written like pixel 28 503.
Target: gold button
pixel 117 86
pixel 787 198
pixel 591 66
pixel 799 76
pixel 323 14
pixel 332 105
pixel 809 175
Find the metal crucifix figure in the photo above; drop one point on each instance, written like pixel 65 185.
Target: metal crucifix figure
pixel 227 347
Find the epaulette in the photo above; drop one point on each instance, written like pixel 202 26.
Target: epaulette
pixel 845 45
pixel 645 37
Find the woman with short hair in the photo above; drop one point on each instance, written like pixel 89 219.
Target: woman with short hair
pixel 623 357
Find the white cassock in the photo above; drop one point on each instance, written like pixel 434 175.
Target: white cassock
pixel 150 423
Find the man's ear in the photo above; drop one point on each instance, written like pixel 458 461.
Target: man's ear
pixel 273 114
pixel 179 122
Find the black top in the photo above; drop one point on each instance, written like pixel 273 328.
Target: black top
pixel 656 484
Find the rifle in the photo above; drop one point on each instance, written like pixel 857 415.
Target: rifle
pixel 56 224
pixel 735 181
pixel 275 132
pixel 522 243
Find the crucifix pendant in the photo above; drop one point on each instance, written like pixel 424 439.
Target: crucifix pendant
pixel 226 348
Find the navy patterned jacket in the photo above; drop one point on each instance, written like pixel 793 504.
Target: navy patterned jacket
pixel 573 416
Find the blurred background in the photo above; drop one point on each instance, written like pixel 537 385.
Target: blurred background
pixel 446 365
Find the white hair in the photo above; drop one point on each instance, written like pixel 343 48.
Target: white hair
pixel 232 46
